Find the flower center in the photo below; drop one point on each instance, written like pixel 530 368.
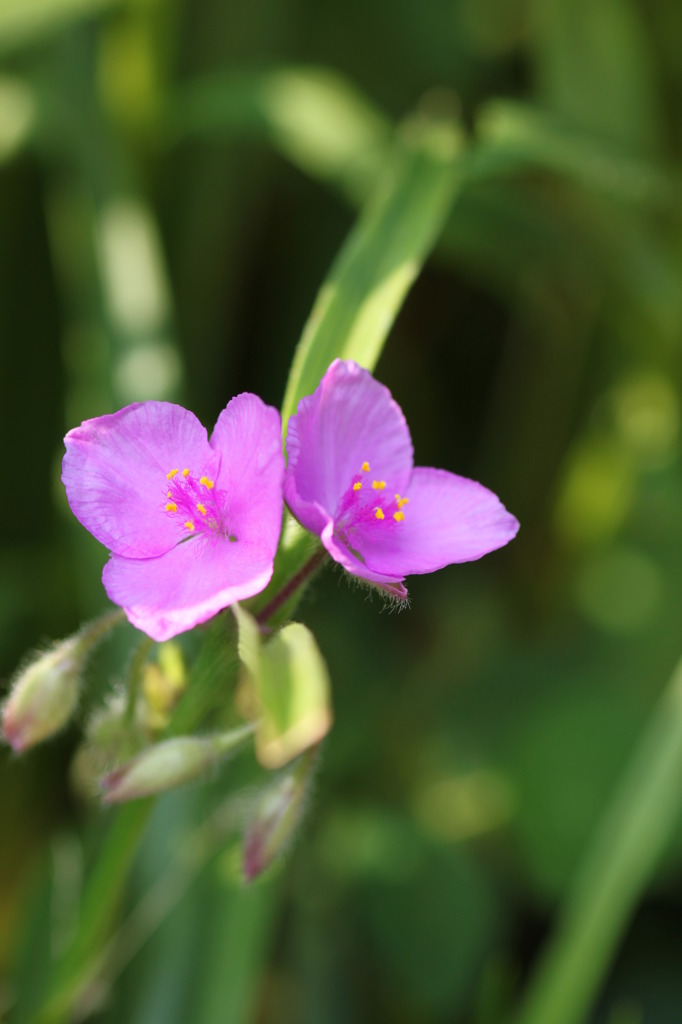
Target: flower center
pixel 199 507
pixel 367 502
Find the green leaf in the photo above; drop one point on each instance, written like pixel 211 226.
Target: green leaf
pixel 292 689
pixel 617 866
pixel 23 20
pixel 240 934
pixel 595 65
pixel 79 966
pixel 516 137
pixel 314 117
pixel 295 696
pixel 18 110
pixel 367 285
pixel 249 642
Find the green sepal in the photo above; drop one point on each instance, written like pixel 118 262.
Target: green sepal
pixel 290 687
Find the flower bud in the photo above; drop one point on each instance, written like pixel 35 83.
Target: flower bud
pixel 110 738
pixel 174 762
pixel 276 816
pixel 44 694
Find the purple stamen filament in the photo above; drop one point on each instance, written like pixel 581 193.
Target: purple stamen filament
pixel 202 509
pixel 363 506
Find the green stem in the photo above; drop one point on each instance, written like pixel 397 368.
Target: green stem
pixel 615 872
pixel 95 630
pixel 135 677
pixel 290 588
pixel 78 967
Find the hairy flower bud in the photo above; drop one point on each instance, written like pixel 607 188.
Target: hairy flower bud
pixel 45 692
pixel 174 762
pixel 276 816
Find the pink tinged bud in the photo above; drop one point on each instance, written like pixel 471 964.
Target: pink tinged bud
pixel 173 763
pixel 43 696
pixel 45 693
pixel 276 816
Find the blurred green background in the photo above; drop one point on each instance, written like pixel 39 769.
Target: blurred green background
pixel 176 178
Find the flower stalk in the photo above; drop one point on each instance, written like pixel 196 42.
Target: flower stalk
pixel 135 678
pixel 298 580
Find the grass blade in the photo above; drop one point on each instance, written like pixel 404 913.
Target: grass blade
pixel 375 269
pixel 616 870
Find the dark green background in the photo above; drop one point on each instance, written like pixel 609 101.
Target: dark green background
pixel 479 735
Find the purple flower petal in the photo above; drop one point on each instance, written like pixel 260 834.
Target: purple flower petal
pixel 351 420
pixel 448 518
pixel 167 595
pixel 354 562
pixel 115 474
pixel 193 526
pixel 249 434
pixel 349 480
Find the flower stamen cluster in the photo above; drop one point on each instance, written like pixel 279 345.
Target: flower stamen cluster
pixel 186 496
pixel 360 507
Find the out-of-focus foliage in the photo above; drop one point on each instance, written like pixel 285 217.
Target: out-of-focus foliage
pixel 176 179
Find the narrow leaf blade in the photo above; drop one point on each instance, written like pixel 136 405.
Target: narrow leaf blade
pixel 383 255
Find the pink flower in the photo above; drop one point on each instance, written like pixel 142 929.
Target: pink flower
pixel 192 524
pixel 351 480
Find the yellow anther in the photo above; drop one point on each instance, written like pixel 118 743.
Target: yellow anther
pixel 201 508
pixel 168 494
pixel 398 516
pixel 401 501
pixel 185 472
pixel 206 482
pixel 189 525
pixel 357 486
pixel 171 507
pixel 379 513
pixel 173 472
pixel 378 485
pixel 365 467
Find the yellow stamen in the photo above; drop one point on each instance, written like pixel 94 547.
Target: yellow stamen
pixel 365 467
pixel 378 485
pixel 185 472
pixel 379 513
pixel 398 516
pixel 357 486
pixel 201 508
pixel 189 525
pixel 401 501
pixel 206 482
pixel 173 472
pixel 168 494
pixel 171 507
